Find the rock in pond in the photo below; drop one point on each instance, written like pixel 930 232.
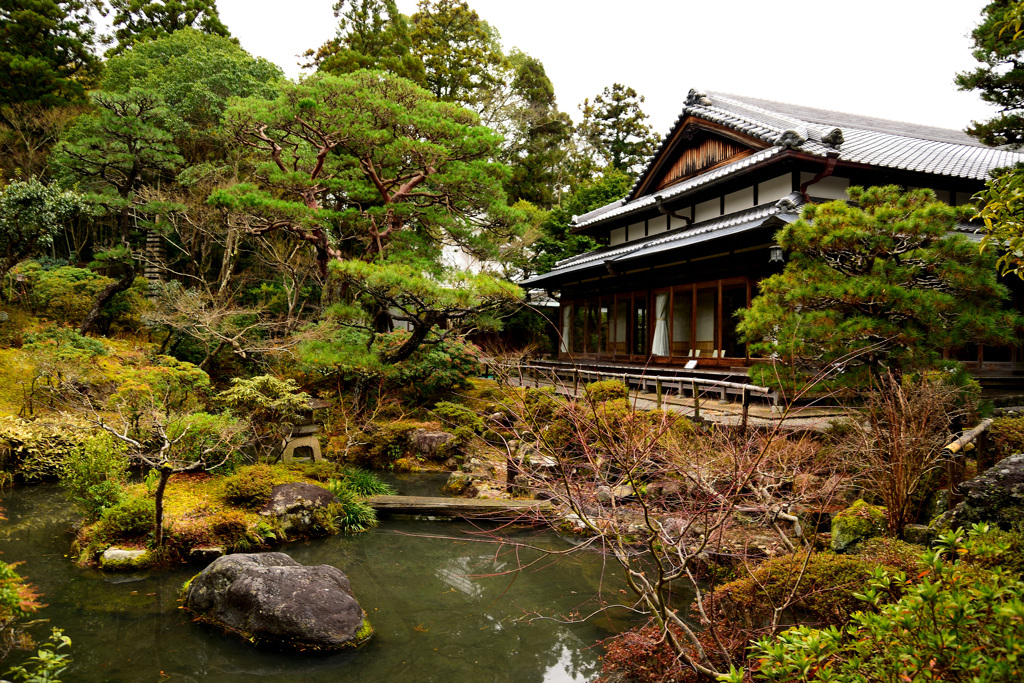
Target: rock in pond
pixel 117 559
pixel 269 598
pixel 299 507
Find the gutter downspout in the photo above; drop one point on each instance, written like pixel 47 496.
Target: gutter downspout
pixel 660 204
pixel 830 166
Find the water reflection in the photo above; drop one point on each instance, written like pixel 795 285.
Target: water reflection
pixel 439 611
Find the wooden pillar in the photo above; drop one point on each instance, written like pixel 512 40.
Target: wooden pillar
pixel 696 401
pixel 657 385
pixel 745 401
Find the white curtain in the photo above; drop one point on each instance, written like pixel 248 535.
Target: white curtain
pixel 660 345
pixel 566 328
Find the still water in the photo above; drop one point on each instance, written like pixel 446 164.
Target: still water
pixel 442 607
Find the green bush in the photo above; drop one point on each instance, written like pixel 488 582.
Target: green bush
pixel 130 519
pixel 66 293
pixel 35 451
pixel 359 482
pixel 606 390
pixel 432 370
pixel 826 593
pixel 540 406
pixel 205 437
pixel 1006 437
pixel 250 487
pixel 93 474
pixel 457 415
pixel 352 515
pixel 66 343
pixel 954 623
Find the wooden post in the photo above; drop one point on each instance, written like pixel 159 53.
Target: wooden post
pixel 575 383
pixel 745 400
pixel 983 455
pixel 657 385
pixel 696 401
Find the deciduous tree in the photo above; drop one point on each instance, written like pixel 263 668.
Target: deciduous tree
pixel 30 215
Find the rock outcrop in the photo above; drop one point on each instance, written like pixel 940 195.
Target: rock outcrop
pixel 300 507
pixel 270 599
pixel 996 496
pixel 855 523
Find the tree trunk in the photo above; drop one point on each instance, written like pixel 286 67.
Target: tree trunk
pixel 165 475
pixel 104 297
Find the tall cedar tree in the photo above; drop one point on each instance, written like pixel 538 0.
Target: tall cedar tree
pixel 613 128
pixel 137 21
pixel 112 153
pixel 46 53
pixel 460 52
pixel 998 46
pixel 372 34
pixel 886 283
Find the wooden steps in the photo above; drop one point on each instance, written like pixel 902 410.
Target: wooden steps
pixel 454 507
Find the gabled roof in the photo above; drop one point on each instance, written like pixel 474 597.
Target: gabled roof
pixel 815 132
pixel 785 210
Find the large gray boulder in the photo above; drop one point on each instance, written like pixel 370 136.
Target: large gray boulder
pixel 300 507
pixel 270 599
pixel 995 496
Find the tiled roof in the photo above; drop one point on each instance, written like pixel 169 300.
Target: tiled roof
pixel 787 210
pixel 867 140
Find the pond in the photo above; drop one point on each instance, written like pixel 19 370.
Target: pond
pixel 442 608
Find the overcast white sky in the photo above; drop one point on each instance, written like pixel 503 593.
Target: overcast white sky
pixel 894 59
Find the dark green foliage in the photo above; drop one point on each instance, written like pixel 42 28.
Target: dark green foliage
pixel 606 390
pixel 372 34
pixel 614 129
pixel 884 283
pixel 138 21
pixel 195 75
pixel 556 240
pixel 459 51
pixel 350 516
pixel 998 46
pixel 1006 437
pixel 954 622
pixel 892 552
pixel 250 487
pixel 31 214
pixel 130 519
pixel 540 406
pixel 45 52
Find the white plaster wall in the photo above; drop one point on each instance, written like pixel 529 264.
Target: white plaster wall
pixel 617 236
pixel 636 231
pixel 739 200
pixel 712 208
pixel 774 189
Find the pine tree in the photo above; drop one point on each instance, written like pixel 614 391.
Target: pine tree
pixel 46 53
pixel 142 20
pixel 884 284
pixel 613 128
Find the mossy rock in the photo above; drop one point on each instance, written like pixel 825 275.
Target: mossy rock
pixel 856 523
pixel 120 560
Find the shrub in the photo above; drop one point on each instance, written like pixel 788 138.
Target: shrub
pixel 66 293
pixel 606 390
pixel 93 474
pixel 540 406
pixel 359 482
pixel 130 519
pixel 35 451
pixel 250 486
pixel 352 515
pixel 230 528
pixel 432 370
pixel 1006 437
pixel 826 592
pixel 66 343
pixel 453 415
pixel 958 623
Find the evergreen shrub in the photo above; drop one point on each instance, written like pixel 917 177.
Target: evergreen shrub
pixel 250 487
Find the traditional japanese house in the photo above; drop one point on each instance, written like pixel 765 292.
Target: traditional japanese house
pixel 688 245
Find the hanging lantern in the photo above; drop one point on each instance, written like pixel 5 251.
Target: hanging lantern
pixel 775 254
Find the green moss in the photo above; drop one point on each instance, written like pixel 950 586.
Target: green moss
pixel 129 564
pixel 856 523
pixel 606 390
pixel 363 634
